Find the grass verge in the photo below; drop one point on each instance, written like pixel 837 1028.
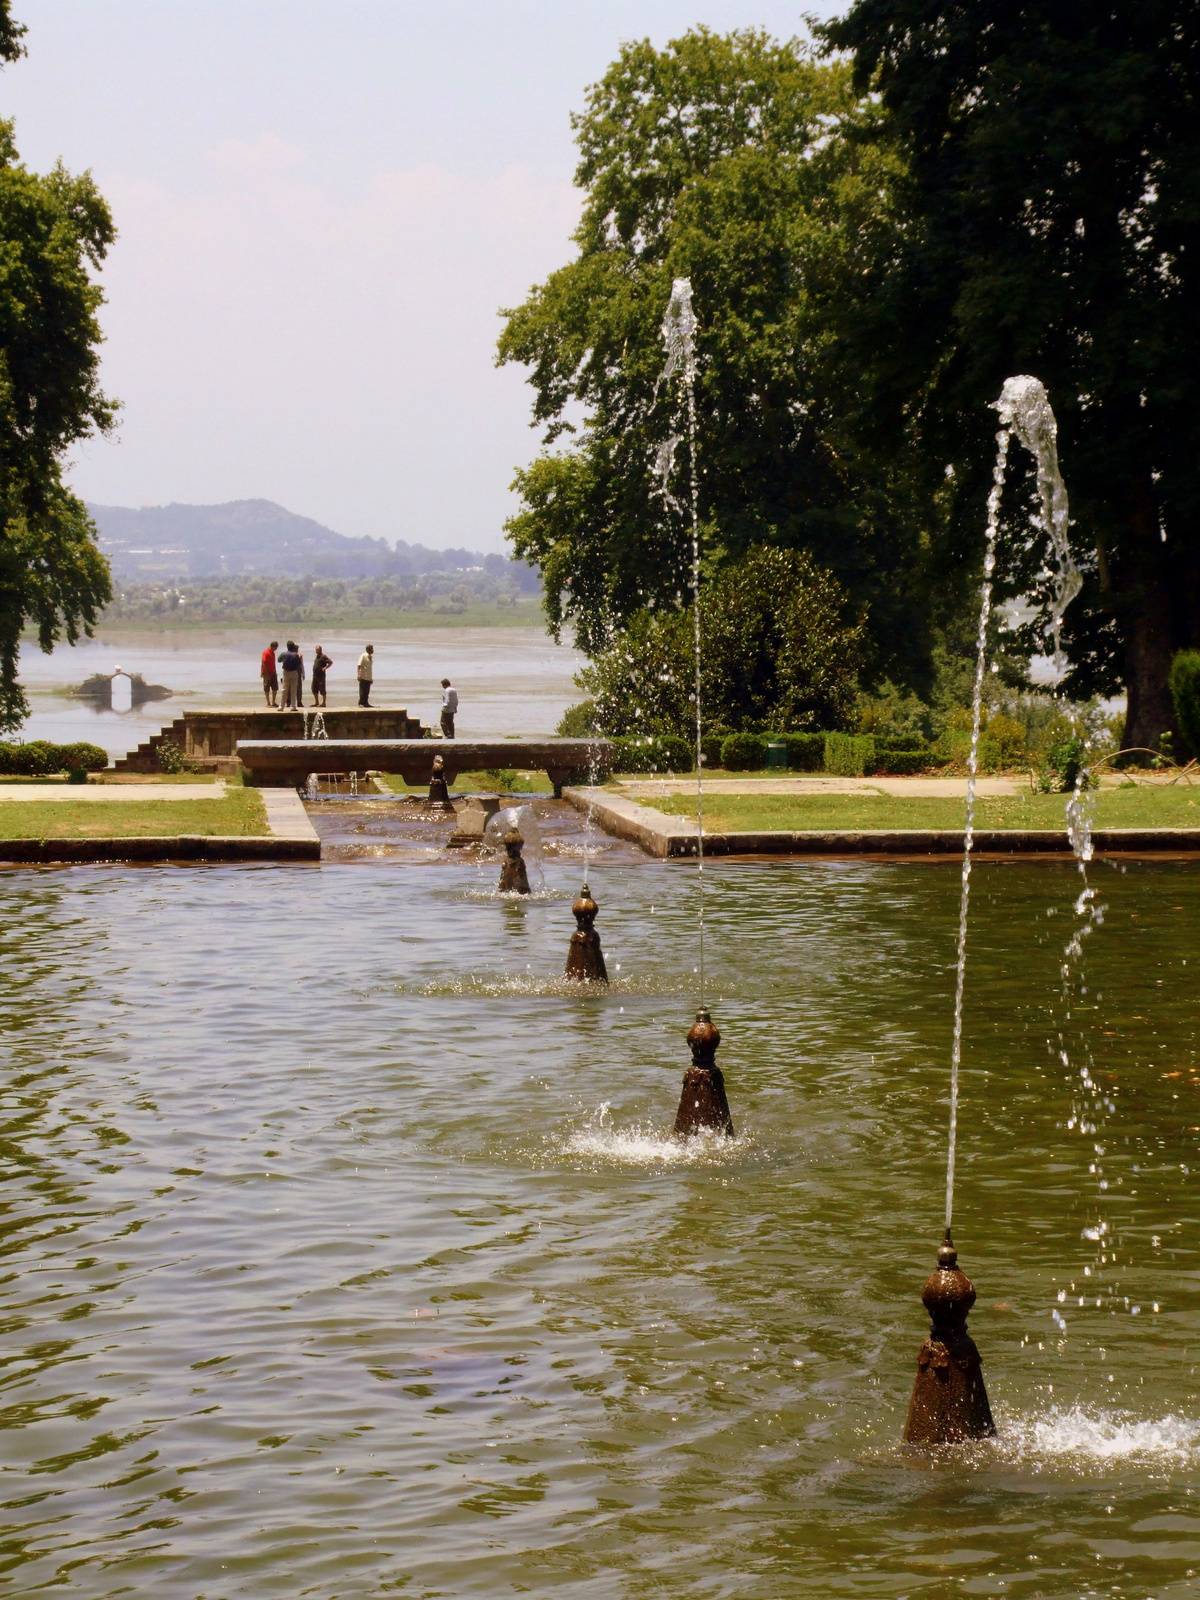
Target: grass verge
pixel 858 813
pixel 240 812
pixel 502 781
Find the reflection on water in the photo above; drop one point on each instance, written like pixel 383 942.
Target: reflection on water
pixel 510 680
pixel 327 1274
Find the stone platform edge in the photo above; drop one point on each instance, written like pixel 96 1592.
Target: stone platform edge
pixel 171 847
pixel 670 837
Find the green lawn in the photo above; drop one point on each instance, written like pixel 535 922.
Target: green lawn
pixel 240 812
pixel 510 781
pixel 1177 807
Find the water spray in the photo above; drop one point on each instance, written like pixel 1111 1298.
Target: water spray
pixel 949 1401
pixel 702 1104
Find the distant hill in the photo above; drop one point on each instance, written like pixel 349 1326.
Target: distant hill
pixel 168 543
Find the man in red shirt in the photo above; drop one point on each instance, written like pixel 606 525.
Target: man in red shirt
pixel 270 676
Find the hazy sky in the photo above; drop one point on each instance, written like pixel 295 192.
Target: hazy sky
pixel 321 209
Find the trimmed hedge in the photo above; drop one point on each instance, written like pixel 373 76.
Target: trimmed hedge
pixel 744 752
pixel 711 744
pixel 849 754
pixel 806 751
pixel 901 741
pixel 40 758
pixel 1184 680
pixel 902 763
pixel 657 752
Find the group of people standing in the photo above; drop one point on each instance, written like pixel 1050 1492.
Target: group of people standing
pixel 289 664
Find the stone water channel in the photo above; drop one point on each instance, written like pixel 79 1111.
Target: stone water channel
pixel 344 1254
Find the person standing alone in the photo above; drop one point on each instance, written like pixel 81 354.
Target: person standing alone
pixel 449 707
pixel 321 665
pixel 366 675
pixel 268 674
pixel 292 663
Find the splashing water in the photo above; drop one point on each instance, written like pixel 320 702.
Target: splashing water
pixel 1100 1438
pixel 1025 411
pixel 600 1141
pixel 523 820
pixel 679 337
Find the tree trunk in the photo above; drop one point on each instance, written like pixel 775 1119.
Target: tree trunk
pixel 1150 632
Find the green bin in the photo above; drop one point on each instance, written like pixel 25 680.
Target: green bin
pixel 777 753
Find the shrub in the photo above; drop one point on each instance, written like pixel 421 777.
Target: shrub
pixel 849 754
pixel 1185 691
pixel 902 763
pixel 744 752
pixel 1008 737
pixel 171 757
pixel 657 752
pixel 903 741
pixel 780 650
pixel 35 760
pixel 806 751
pixel 711 744
pixel 578 722
pixel 1064 762
pixel 77 775
pixel 83 757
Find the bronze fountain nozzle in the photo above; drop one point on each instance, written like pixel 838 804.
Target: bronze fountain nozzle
pixel 702 1102
pixel 585 958
pixel 949 1402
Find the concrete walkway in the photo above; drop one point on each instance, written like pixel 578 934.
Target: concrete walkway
pixel 111 791
pixel 286 816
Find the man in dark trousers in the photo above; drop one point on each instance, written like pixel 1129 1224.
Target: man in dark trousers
pixel 449 707
pixel 292 665
pixel 366 675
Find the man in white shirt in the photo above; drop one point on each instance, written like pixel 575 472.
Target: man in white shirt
pixel 366 675
pixel 449 707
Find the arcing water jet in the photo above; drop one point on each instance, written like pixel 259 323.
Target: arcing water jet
pixel 961 1401
pixel 702 1103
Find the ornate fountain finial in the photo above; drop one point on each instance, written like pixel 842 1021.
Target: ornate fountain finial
pixel 514 879
pixel 585 959
pixel 702 1104
pixel 949 1402
pixel 439 794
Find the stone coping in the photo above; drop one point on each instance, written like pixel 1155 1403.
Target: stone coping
pixel 670 837
pixel 180 847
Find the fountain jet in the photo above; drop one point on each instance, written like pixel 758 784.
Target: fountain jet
pixel 514 879
pixel 949 1402
pixel 585 959
pixel 702 1104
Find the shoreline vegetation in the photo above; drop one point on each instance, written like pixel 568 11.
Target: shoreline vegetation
pixel 453 600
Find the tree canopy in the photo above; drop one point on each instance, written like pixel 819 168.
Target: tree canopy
pixel 781 651
pixel 722 159
pixel 1050 185
pixel 53 229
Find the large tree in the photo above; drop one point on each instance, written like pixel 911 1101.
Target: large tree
pixel 54 231
pixel 1051 187
pixel 722 159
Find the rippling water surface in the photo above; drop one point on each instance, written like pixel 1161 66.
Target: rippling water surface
pixel 342 1259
